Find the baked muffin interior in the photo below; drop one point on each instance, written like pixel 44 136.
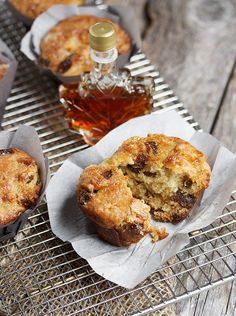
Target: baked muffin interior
pixel 166 172
pixel 169 195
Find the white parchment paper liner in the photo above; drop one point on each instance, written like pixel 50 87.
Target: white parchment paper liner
pixel 128 266
pixel 30 44
pixel 26 139
pixel 27 20
pixel 6 57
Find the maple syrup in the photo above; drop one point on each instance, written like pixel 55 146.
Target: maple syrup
pixel 96 115
pixel 105 97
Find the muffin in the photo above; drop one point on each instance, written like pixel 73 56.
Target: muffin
pixel 20 184
pixel 163 176
pixel 33 8
pixel 168 173
pixel 3 70
pixel 105 197
pixel 65 48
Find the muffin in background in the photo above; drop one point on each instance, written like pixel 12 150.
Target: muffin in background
pixel 3 70
pixel 20 184
pixel 65 48
pixel 33 8
pixel 8 66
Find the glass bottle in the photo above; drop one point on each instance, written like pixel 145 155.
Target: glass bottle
pixel 105 97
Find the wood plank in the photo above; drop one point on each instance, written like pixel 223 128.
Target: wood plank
pixel 217 302
pixel 221 300
pixel 186 40
pixel 193 44
pixel 139 7
pixel 182 61
pixel 225 126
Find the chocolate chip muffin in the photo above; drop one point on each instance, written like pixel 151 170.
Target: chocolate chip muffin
pixel 168 173
pixel 65 48
pixel 105 197
pixel 33 8
pixel 3 70
pixel 20 184
pixel 156 175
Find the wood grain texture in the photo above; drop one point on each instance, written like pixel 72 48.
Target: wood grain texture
pixel 225 127
pixel 193 44
pixel 139 7
pixel 220 301
pixel 217 301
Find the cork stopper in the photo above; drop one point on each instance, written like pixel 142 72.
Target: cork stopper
pixel 102 36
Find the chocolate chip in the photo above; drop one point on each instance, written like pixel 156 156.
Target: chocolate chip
pixel 43 62
pixel 27 203
pixel 184 199
pixel 136 228
pixel 64 65
pixel 177 217
pixel 21 177
pixel 6 151
pixel 148 194
pixel 107 174
pixel 29 178
pixel 149 174
pixel 25 161
pixel 139 163
pixel 187 182
pixel 6 198
pixel 84 197
pixel 151 147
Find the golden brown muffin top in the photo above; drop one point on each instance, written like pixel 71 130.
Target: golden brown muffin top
pixel 33 8
pixel 65 48
pixel 103 192
pixel 3 70
pixel 20 184
pixel 144 175
pixel 157 151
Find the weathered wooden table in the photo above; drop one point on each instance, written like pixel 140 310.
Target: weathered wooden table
pixel 193 44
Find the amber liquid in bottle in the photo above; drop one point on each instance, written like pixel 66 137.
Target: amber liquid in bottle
pixel 105 97
pixel 100 112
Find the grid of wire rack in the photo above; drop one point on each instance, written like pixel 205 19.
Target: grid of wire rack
pixel 41 275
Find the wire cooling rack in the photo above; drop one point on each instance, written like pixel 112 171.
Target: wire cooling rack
pixel 41 275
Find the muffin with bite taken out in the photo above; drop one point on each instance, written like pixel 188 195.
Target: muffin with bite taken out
pixel 157 175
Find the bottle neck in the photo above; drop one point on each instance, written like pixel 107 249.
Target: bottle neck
pixel 105 62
